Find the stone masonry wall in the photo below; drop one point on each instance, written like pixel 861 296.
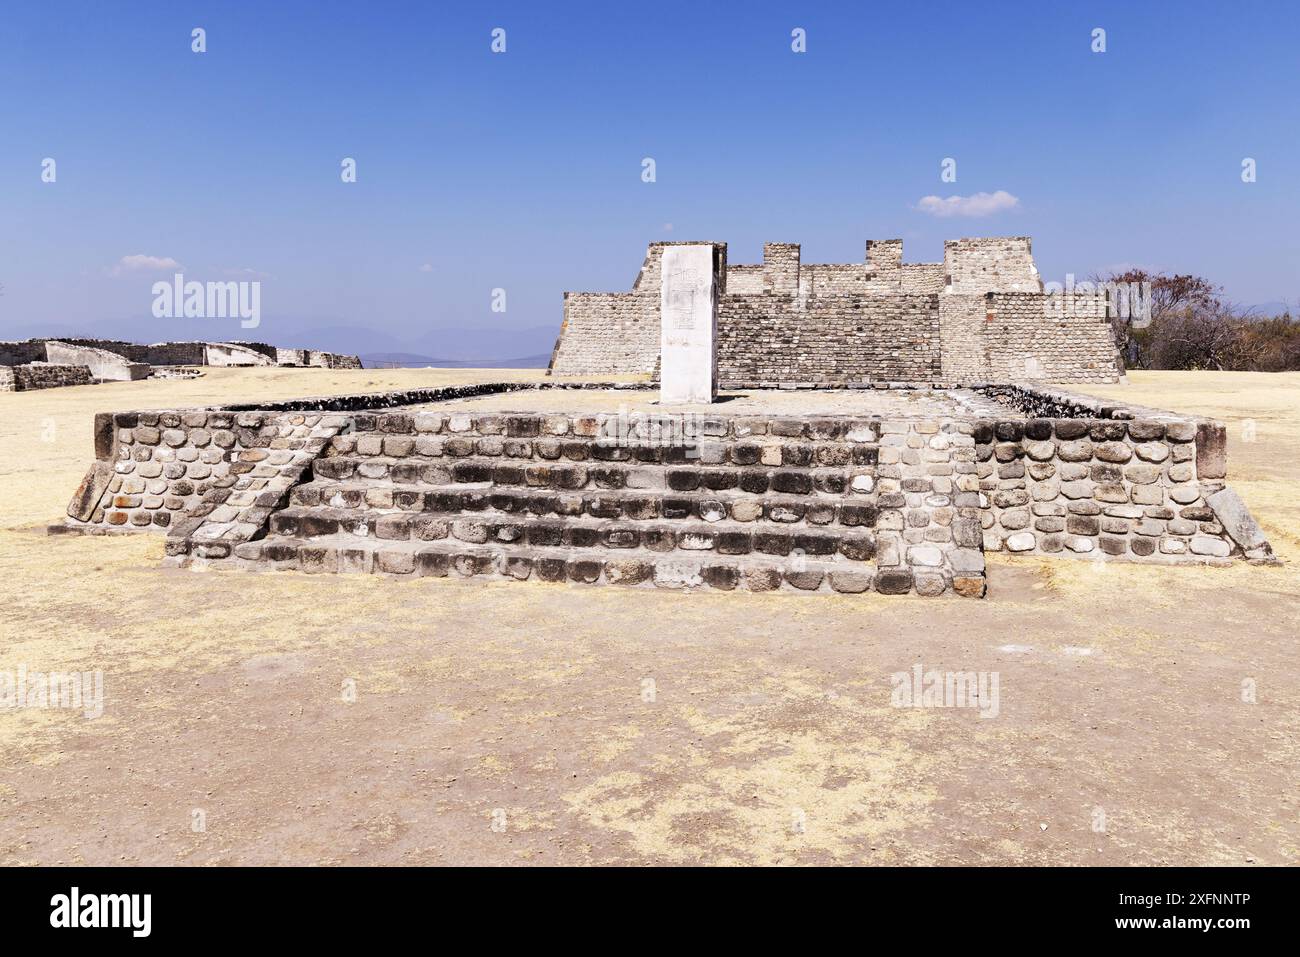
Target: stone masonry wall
pixel 804 323
pixel 843 504
pixel 766 339
pixel 41 375
pixel 920 497
pixel 1056 338
pixel 996 264
pixel 964 350
pixel 157 469
pixel 103 365
pixel 20 353
pixel 1101 488
pixel 608 334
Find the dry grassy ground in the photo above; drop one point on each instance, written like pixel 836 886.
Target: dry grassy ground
pixel 511 723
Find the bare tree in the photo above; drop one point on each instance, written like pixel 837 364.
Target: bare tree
pixel 1170 295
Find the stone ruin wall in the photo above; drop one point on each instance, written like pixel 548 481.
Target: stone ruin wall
pixel 1138 484
pixel 839 503
pixel 784 321
pixel 102 365
pixel 110 360
pixel 869 503
pixel 765 341
pixel 41 375
pixel 608 334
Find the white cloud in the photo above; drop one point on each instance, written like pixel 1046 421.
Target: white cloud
pixel 427 267
pixel 248 273
pixel 977 204
pixel 668 227
pixel 142 263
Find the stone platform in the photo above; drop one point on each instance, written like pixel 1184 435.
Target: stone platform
pixel 895 491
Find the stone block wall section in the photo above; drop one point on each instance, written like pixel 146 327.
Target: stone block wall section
pixel 763 341
pixel 41 375
pixel 114 360
pixel 154 469
pixel 816 323
pixel 1057 338
pixel 1137 484
pixel 1020 336
pixel 656 500
pixel 104 366
pixel 607 334
pixel 210 474
pixel 993 264
pixel 839 503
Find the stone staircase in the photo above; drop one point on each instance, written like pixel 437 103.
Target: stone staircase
pixel 786 504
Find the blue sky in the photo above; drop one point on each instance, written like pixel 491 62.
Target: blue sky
pixel 522 170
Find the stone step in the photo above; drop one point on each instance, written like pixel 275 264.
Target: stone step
pixel 484 472
pixel 345 553
pixel 577 532
pixel 772 451
pixel 657 428
pixel 629 505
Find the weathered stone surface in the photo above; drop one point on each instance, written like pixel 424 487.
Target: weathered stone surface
pixel 851 583
pixel 1020 542
pixel 91 490
pixel 1116 452
pixel 1206 545
pixel 1211 450
pixel 1236 519
pixel 395 562
pixel 893 582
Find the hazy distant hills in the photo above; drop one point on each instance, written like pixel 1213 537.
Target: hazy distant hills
pixel 372 360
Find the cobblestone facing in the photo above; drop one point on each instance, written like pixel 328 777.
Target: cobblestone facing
pixel 207 473
pixel 990 264
pixel 803 503
pixel 798 503
pixel 1097 488
pixel 41 375
pixel 194 472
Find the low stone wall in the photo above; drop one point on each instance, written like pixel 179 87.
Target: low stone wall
pixel 103 365
pixel 160 469
pixel 331 360
pixel 20 353
pixel 41 375
pixel 232 354
pixel 1109 481
pixel 154 467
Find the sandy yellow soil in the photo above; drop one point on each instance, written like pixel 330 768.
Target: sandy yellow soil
pixel 514 723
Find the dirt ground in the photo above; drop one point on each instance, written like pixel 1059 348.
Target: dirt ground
pixel 283 718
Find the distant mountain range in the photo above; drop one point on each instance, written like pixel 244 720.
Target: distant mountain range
pixel 380 360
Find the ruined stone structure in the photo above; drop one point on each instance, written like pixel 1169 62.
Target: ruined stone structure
pixel 898 485
pixel 108 360
pixel 41 375
pixel 428 483
pixel 979 316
